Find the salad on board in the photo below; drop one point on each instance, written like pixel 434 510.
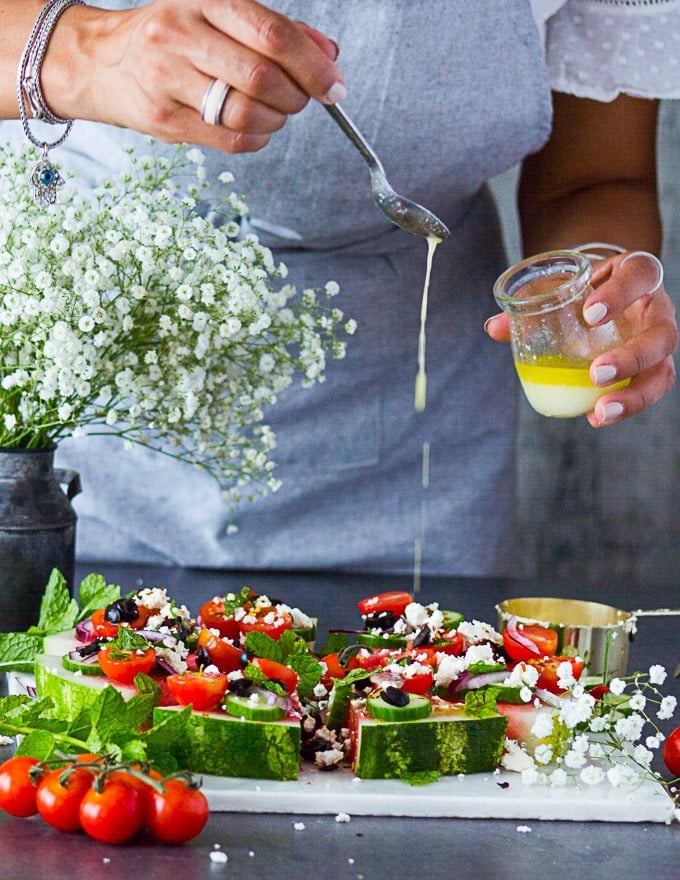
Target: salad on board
pixel 136 682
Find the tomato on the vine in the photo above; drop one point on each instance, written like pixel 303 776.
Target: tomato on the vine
pixel 266 620
pixel 544 639
pixel 548 676
pixel 59 795
pixel 112 812
pixel 278 672
pixel 17 788
pixel 178 814
pixel 198 689
pixel 221 651
pixel 122 665
pixel 671 752
pixel 393 600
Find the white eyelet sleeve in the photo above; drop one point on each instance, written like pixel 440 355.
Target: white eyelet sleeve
pixel 602 48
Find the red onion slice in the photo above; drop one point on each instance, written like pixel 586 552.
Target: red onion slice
pixel 516 635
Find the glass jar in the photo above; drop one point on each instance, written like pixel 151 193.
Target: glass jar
pixel 552 345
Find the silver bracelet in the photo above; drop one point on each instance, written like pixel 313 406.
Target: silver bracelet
pixel 44 178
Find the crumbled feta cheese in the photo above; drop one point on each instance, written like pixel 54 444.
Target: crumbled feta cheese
pixel 477 631
pixel 218 857
pixel 299 826
pixel 342 817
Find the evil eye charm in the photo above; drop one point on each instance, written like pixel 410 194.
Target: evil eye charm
pixel 45 180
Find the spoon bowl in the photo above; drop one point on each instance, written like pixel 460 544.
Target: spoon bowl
pixel 403 212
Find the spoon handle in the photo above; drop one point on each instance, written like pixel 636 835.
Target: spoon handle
pixel 353 133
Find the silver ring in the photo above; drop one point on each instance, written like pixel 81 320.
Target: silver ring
pixel 657 263
pixel 213 101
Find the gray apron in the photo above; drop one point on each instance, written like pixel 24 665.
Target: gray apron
pixel 450 94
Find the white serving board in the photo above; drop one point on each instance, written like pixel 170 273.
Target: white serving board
pixel 477 796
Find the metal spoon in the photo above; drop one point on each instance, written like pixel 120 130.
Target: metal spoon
pixel 402 211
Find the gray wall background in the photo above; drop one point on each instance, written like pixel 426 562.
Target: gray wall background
pixel 600 509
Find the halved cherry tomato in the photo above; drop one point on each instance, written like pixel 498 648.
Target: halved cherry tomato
pixel 420 683
pixel 548 677
pixel 103 628
pixel 178 814
pixel 212 616
pixel 334 668
pixel 222 652
pixel 114 814
pixel 266 620
pixel 394 601
pixel 59 795
pixel 454 645
pixel 197 689
pixel 370 660
pixel 278 672
pixel 543 638
pixel 17 789
pixel 122 666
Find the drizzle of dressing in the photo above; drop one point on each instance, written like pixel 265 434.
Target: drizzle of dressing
pixel 421 376
pixel 420 398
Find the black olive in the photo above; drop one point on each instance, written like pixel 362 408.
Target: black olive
pixel 422 637
pixel 202 658
pixel 245 658
pixel 91 648
pixel 395 696
pixel 381 620
pixel 242 687
pixel 122 611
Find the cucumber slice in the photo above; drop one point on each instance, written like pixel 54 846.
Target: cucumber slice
pixel 417 707
pixel 253 710
pixel 452 619
pixel 84 667
pixel 374 640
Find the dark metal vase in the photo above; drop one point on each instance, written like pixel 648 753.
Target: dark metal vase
pixel 37 531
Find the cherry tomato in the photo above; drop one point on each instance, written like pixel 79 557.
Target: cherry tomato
pixel 197 689
pixel 394 601
pixel 370 660
pixel 129 779
pixel 59 795
pixel 671 752
pixel 223 654
pixel 548 677
pixel 102 627
pixel 420 683
pixel 334 668
pixel 454 645
pixel 212 616
pixel 544 638
pixel 114 814
pixel 278 672
pixel 598 691
pixel 177 815
pixel 17 789
pixel 266 620
pixel 122 666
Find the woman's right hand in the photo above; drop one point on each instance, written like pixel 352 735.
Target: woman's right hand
pixel 148 69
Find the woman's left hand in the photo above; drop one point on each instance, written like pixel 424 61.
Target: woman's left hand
pixel 623 284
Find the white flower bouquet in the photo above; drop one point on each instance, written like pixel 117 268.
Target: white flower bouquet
pixel 126 312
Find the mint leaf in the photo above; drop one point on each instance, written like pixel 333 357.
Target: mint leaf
pixel 335 643
pixel 128 640
pixel 241 598
pixel 18 650
pixel 58 610
pixel 257 677
pixel 165 742
pixel 95 593
pixel 308 669
pixel 264 646
pixel 38 744
pixel 482 703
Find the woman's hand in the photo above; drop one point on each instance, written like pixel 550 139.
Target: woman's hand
pixel 148 69
pixel 622 284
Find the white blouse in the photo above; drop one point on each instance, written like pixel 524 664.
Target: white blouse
pixel 601 48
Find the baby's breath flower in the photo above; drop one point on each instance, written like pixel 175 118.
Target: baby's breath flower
pixel 657 674
pixel 140 318
pixel 667 708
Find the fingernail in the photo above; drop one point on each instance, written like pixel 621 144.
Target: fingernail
pixel 336 93
pixel 337 50
pixel 595 313
pixel 604 374
pixel 490 319
pixel 611 411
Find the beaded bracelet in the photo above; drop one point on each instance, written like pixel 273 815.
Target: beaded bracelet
pixel 44 178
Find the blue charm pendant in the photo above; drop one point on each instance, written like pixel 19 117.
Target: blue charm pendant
pixel 45 180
